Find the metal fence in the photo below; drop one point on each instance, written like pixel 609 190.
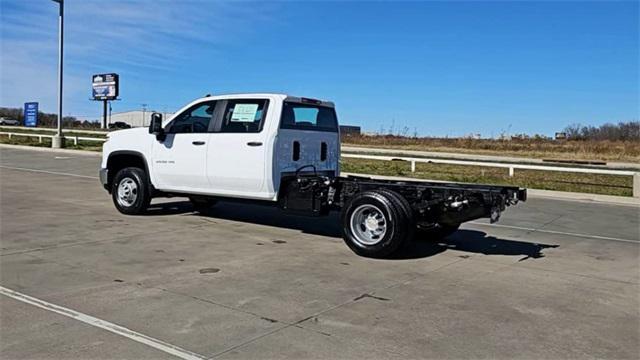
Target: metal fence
pixel 79 131
pixel 511 167
pixel 75 139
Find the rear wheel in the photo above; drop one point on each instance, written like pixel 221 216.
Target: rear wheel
pixel 374 224
pixel 130 191
pixel 401 202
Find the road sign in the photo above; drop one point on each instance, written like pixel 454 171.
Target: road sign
pixel 31 114
pixel 105 86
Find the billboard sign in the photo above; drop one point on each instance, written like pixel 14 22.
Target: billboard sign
pixel 105 86
pixel 31 114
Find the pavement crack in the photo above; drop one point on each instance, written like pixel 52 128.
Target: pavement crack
pixel 549 223
pixel 370 296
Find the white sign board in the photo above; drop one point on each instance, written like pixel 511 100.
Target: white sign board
pixel 105 86
pixel 244 113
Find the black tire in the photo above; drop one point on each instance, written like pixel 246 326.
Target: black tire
pixel 438 232
pixel 201 204
pixel 139 202
pixel 400 201
pixel 397 229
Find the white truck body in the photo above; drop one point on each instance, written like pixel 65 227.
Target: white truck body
pixel 284 150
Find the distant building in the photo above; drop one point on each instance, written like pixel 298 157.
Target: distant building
pixel 561 136
pixel 349 130
pixel 135 118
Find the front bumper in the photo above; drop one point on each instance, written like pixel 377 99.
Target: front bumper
pixel 104 178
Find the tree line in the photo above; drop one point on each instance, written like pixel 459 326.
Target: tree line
pixel 48 120
pixel 622 131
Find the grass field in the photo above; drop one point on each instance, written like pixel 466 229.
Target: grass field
pixel 627 151
pixel 546 180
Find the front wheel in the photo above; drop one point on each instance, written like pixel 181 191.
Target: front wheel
pixel 130 191
pixel 375 224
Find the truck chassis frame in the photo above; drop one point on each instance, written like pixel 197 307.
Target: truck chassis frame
pixel 431 202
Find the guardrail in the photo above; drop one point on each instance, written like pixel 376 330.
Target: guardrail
pixel 511 167
pixel 40 136
pixel 80 131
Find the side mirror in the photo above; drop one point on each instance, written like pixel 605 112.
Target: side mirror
pixel 156 126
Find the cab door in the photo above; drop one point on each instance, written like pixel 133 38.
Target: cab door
pixel 179 162
pixel 237 151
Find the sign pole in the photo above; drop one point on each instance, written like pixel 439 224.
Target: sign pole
pixel 58 141
pixel 104 114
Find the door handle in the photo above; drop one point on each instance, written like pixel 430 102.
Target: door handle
pixel 197 142
pixel 254 143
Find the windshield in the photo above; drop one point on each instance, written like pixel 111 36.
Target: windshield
pixel 300 116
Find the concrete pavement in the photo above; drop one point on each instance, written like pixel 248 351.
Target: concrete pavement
pixel 553 279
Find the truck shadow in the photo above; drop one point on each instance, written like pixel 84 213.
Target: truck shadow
pixel 468 241
pixel 475 242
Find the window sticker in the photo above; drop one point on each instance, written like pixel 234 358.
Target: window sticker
pixel 244 113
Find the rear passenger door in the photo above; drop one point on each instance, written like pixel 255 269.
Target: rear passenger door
pixel 236 156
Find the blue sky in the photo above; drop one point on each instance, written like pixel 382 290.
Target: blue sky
pixel 441 68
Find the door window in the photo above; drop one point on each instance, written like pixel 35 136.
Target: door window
pixel 244 116
pixel 196 119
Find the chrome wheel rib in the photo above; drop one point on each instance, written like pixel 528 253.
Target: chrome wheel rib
pixel 368 225
pixel 127 192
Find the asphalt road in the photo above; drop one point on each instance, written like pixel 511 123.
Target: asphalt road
pixel 553 279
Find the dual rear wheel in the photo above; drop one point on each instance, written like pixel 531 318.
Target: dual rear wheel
pixel 380 222
pixel 377 223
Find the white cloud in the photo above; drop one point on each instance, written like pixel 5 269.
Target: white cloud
pixel 105 36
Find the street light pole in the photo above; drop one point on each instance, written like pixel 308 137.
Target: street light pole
pixel 58 140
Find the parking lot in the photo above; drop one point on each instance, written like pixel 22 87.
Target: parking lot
pixel 553 279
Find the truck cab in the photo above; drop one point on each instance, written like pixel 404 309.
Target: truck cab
pixel 233 145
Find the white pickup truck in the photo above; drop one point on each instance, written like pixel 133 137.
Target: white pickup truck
pixel 285 151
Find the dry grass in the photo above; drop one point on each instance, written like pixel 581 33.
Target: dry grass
pixel 534 148
pixel 547 180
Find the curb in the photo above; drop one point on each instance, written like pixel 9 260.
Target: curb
pixel 47 149
pixel 584 197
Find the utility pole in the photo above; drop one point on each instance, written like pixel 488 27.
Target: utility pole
pixel 144 111
pixel 57 141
